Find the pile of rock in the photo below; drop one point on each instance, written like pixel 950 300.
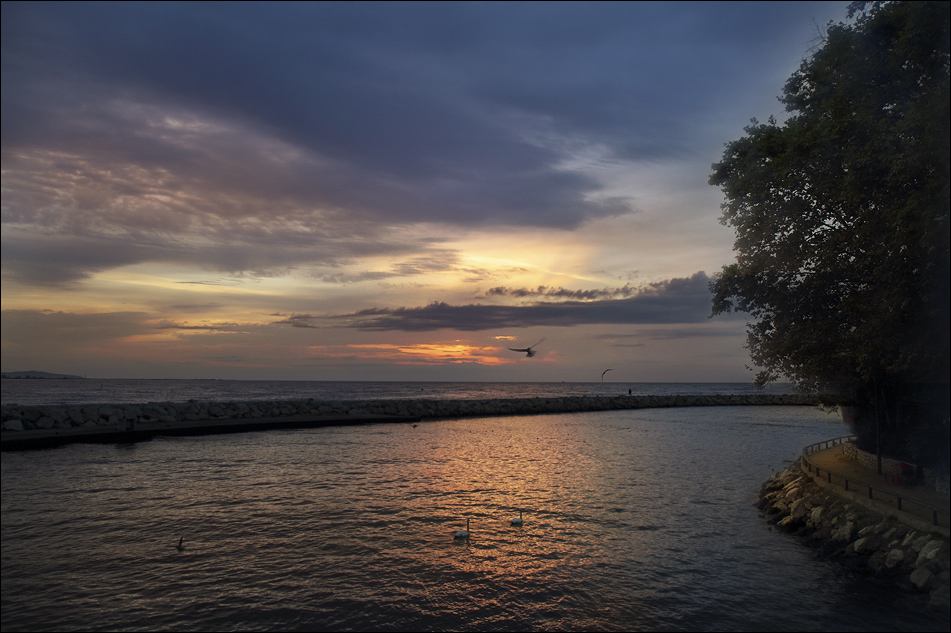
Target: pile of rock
pixel 859 537
pixel 28 418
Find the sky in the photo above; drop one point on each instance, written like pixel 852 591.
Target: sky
pixel 379 191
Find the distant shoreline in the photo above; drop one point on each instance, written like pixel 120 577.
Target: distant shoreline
pixel 38 375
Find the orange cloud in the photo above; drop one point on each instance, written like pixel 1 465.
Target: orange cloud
pixel 415 354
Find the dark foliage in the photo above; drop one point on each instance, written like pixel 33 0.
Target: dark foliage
pixel 842 221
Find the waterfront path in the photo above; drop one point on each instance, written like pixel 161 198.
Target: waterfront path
pixel 865 532
pixel 920 506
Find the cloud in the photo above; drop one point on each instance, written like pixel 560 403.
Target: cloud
pixel 298 320
pixel 728 327
pixel 52 330
pixel 204 327
pixel 416 354
pixel 462 113
pixel 144 98
pixel 197 307
pixel 255 137
pixel 682 300
pixel 550 292
pixel 54 260
pixel 308 160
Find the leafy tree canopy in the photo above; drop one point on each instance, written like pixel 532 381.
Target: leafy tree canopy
pixel 841 213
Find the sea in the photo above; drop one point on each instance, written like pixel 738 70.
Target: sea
pixel 132 391
pixel 632 520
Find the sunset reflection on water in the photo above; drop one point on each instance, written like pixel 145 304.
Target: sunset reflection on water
pixel 632 520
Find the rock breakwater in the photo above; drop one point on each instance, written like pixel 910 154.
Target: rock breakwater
pixel 119 416
pixel 914 559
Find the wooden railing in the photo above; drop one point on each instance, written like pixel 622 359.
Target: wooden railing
pixel 903 503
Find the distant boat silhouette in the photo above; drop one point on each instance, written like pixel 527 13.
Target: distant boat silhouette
pixel 180 547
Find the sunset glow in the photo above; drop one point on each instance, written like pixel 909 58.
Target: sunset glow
pixel 249 191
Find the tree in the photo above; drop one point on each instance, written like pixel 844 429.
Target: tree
pixel 841 220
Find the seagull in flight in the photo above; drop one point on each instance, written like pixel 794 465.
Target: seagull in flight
pixel 530 350
pixel 604 372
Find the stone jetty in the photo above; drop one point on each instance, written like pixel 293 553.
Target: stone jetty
pixel 896 551
pixel 15 418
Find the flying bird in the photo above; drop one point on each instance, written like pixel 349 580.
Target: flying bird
pixel 529 351
pixel 604 372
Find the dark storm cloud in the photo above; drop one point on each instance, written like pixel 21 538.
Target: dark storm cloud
pixel 550 292
pixel 684 300
pixel 409 91
pixel 54 260
pixel 357 87
pixel 299 320
pixel 286 121
pixel 217 327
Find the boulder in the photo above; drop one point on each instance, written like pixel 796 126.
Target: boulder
pixel 894 558
pixel 929 552
pixel 844 532
pixel 44 423
pixel 921 577
pixel 13 425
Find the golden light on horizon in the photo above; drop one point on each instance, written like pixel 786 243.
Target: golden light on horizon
pixel 415 353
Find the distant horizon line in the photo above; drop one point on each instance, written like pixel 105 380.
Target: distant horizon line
pixel 42 375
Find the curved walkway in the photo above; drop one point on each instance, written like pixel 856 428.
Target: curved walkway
pixel 915 505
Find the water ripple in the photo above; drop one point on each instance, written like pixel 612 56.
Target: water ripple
pixel 632 520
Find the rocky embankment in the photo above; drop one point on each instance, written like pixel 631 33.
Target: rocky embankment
pixel 860 538
pixel 30 418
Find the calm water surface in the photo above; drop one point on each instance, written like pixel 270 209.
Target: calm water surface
pixel 634 520
pixel 117 390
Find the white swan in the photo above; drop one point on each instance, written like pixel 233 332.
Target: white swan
pixel 518 521
pixel 529 351
pixel 463 533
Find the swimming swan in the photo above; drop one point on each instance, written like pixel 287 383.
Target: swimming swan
pixel 463 533
pixel 518 521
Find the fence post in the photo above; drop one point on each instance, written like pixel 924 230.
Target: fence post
pixel 813 468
